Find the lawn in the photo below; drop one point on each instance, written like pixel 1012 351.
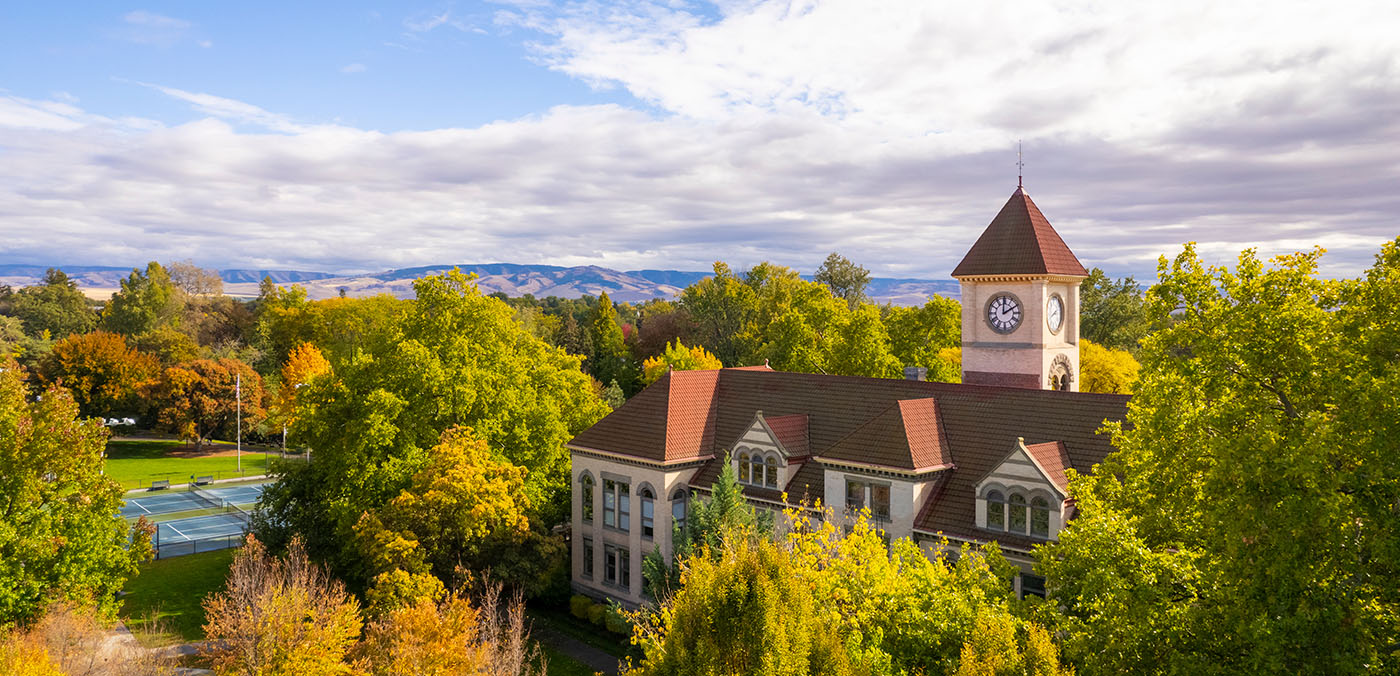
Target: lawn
pixel 136 463
pixel 170 591
pixel 560 664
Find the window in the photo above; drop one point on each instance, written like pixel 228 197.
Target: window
pixel 996 511
pixel 648 510
pixel 624 564
pixel 586 496
pixel 616 504
pixel 771 477
pixel 870 494
pixel 1016 513
pixel 744 468
pixel 678 508
pixel 1032 585
pixel 1040 517
pixel 588 558
pixel 610 564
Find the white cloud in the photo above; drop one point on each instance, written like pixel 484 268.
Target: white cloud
pixel 353 68
pixel 780 131
pixel 150 28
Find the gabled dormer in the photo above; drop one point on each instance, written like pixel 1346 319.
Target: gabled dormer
pixel 767 451
pixel 1026 493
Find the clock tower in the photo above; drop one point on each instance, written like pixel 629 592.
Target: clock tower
pixel 1020 303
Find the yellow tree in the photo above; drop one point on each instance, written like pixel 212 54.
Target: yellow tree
pixel 100 370
pixel 280 616
pixel 452 637
pixel 465 509
pixel 678 357
pixel 1106 370
pixel 304 364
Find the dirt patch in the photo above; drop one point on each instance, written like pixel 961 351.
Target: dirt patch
pixel 188 451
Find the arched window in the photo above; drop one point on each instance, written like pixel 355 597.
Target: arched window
pixel 1016 513
pixel 744 467
pixel 1040 517
pixel 996 511
pixel 771 477
pixel 586 496
pixel 648 510
pixel 678 507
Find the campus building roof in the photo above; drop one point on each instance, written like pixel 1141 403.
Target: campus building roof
pixel 1019 241
pixel 950 434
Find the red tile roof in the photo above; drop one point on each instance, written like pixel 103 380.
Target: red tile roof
pixel 791 431
pixel 908 436
pixel 1054 459
pixel 1019 241
pixel 975 425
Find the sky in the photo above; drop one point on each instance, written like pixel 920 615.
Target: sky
pixel 355 136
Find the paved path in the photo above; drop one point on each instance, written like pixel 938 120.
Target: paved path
pixel 591 657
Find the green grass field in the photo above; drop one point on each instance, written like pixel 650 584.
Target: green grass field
pixel 170 592
pixel 560 664
pixel 136 463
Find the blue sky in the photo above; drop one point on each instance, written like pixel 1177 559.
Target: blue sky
pixel 632 134
pixel 366 65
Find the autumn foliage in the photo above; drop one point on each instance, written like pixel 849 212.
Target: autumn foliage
pixel 196 399
pixel 678 357
pixel 101 371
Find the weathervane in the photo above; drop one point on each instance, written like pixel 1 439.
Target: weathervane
pixel 1020 166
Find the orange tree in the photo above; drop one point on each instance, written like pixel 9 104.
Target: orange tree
pixel 101 371
pixel 196 399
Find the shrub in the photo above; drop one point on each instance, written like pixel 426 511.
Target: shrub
pixel 596 613
pixel 579 606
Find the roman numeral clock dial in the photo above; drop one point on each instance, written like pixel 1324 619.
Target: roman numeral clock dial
pixel 1004 313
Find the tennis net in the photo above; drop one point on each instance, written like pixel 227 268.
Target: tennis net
pixel 208 499
pixel 239 513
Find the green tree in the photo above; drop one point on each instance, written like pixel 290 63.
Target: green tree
pixel 707 524
pixel 611 360
pixel 455 358
pixel 55 308
pixel 862 347
pixel 60 534
pixel 337 326
pixel 919 334
pixel 1112 313
pixel 721 306
pixel 846 280
pixel 1246 522
pixel 146 302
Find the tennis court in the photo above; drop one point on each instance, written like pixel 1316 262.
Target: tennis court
pixel 183 500
pixel 200 528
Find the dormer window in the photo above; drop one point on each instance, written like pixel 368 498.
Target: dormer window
pixel 1016 513
pixel 758 469
pixel 1025 493
pixel 1040 517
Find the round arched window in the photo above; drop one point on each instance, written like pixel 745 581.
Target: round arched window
pixel 996 511
pixel 1016 513
pixel 770 478
pixel 1040 517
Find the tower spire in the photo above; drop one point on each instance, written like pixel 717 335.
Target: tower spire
pixel 1020 166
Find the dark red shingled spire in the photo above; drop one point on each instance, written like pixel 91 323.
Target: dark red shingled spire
pixel 1019 241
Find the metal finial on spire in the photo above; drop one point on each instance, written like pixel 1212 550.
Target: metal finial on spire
pixel 1020 166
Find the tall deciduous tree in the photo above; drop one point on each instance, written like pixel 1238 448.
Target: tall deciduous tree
pixel 194 280
pixel 1247 523
pixel 464 509
pixel 846 280
pixel 56 307
pixel 919 334
pixel 102 373
pixel 147 301
pixel 1112 313
pixel 722 306
pixel 197 400
pixel 456 358
pixel 678 357
pixel 60 535
pixel 304 365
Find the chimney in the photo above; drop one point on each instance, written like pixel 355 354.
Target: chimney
pixel 915 373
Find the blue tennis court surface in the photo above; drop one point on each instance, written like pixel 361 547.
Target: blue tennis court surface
pixel 199 528
pixel 181 500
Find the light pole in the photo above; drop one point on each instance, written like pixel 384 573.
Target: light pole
pixel 238 395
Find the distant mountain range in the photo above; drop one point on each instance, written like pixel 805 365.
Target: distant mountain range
pixel 512 279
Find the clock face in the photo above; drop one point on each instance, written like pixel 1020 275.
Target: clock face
pixel 1055 314
pixel 1004 313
